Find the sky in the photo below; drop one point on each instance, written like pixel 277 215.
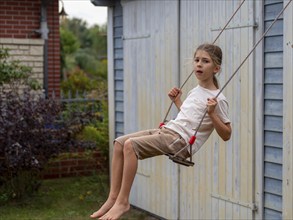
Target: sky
pixel 85 10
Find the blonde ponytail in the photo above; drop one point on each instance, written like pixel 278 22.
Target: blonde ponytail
pixel 215 81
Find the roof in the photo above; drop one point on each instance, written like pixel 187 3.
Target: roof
pixel 108 3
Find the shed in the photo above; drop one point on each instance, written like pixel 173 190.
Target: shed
pixel 150 49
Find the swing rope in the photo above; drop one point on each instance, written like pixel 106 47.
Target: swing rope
pixel 193 138
pixel 181 87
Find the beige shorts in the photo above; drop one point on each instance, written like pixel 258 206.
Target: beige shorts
pixel 155 142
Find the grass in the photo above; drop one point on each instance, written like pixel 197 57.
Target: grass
pixel 64 199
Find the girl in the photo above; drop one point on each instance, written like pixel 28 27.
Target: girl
pixel 173 136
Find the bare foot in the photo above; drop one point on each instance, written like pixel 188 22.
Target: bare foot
pixel 116 212
pixel 104 209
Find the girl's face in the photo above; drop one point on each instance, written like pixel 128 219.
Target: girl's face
pixel 204 66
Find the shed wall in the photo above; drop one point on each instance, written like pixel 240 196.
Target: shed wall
pixel 273 111
pixel 159 39
pixel 118 69
pixel 220 185
pixel 151 63
pixel 158 56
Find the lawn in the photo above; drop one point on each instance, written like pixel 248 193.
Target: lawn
pixel 64 199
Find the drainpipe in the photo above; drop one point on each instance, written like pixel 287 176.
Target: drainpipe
pixel 44 31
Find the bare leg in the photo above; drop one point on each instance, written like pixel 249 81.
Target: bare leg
pixel 129 170
pixel 116 178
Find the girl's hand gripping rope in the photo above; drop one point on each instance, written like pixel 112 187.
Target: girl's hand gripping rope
pixel 175 94
pixel 211 105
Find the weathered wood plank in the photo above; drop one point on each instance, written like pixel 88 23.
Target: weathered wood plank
pixel 288 115
pixel 150 67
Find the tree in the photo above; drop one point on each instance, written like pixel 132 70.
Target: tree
pixel 69 45
pixel 99 41
pixel 85 50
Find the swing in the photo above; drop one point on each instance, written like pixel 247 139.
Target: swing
pixel 192 139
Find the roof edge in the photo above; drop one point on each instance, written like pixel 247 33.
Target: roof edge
pixel 108 3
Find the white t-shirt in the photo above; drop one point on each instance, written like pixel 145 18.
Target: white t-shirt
pixel 191 113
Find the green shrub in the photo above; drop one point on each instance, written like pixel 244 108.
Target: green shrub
pixel 13 74
pixel 97 130
pixel 32 131
pixel 77 82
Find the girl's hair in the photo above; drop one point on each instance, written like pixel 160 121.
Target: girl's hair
pixel 215 53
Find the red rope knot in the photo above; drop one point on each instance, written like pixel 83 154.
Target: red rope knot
pixel 192 140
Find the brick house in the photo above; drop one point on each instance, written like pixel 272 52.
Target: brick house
pixel 30 29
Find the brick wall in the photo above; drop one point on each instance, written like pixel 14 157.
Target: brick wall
pixel 29 51
pixel 20 19
pixel 76 164
pixel 54 70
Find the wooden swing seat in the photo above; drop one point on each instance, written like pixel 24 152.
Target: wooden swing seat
pixel 180 160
